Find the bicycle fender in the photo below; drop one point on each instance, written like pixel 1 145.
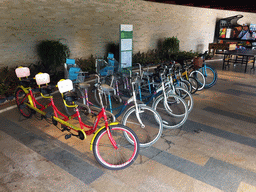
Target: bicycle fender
pixel 92 141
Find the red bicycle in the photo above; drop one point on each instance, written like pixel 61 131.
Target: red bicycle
pixel 109 145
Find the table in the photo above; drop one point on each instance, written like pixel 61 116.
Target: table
pixel 245 53
pixel 216 46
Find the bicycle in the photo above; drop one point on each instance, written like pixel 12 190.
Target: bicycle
pixel 109 145
pixel 142 119
pixel 171 107
pixel 137 117
pixel 153 88
pixel 209 73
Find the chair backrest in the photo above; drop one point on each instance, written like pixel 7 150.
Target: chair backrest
pixel 71 69
pixel 65 85
pixel 70 61
pixel 42 78
pixel 22 72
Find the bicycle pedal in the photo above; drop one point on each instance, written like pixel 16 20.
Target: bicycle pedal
pixel 54 122
pixel 64 128
pixel 68 136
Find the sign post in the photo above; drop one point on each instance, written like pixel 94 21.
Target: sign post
pixel 126 35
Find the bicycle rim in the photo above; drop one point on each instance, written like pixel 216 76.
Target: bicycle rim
pixel 174 114
pixel 194 84
pixel 21 99
pixel 210 76
pixel 200 79
pixel 108 156
pixel 188 84
pixel 152 127
pixel 184 94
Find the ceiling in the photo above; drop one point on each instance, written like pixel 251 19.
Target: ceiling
pixel 243 6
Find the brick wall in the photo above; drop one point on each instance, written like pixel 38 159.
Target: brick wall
pixel 86 26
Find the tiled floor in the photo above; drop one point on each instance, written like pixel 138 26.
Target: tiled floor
pixel 214 151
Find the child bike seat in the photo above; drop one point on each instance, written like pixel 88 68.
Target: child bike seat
pixel 70 96
pixel 22 72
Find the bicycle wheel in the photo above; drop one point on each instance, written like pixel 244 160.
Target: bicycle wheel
pixel 108 156
pixel 189 85
pixel 199 77
pixel 194 84
pixel 210 75
pixel 182 85
pixel 174 111
pixel 184 94
pixel 21 98
pixel 151 128
pixel 80 98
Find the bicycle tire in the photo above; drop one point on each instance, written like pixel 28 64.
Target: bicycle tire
pixel 194 84
pixel 175 114
pixel 199 77
pixel 152 121
pixel 210 75
pixel 21 99
pixel 181 84
pixel 106 155
pixel 188 84
pixel 185 95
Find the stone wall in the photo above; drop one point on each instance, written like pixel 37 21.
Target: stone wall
pixel 87 26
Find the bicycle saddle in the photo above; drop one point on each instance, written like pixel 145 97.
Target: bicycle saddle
pixel 107 88
pixel 84 85
pixel 46 90
pixel 70 96
pixel 148 73
pixel 27 82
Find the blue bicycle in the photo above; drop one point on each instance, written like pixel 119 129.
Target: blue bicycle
pixel 209 73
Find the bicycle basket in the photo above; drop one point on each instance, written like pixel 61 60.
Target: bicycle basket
pixel 198 62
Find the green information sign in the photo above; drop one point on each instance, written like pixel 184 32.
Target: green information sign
pixel 126 35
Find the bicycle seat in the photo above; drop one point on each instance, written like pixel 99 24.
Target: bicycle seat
pixel 70 96
pixel 84 85
pixel 27 82
pixel 107 88
pixel 125 75
pixel 148 73
pixel 138 81
pixel 46 90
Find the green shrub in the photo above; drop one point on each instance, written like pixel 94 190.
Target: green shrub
pixel 170 45
pixel 52 54
pixel 8 81
pixel 87 64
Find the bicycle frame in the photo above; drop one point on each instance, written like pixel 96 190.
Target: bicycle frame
pixel 33 103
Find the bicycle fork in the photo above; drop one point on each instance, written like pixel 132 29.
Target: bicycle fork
pixel 137 107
